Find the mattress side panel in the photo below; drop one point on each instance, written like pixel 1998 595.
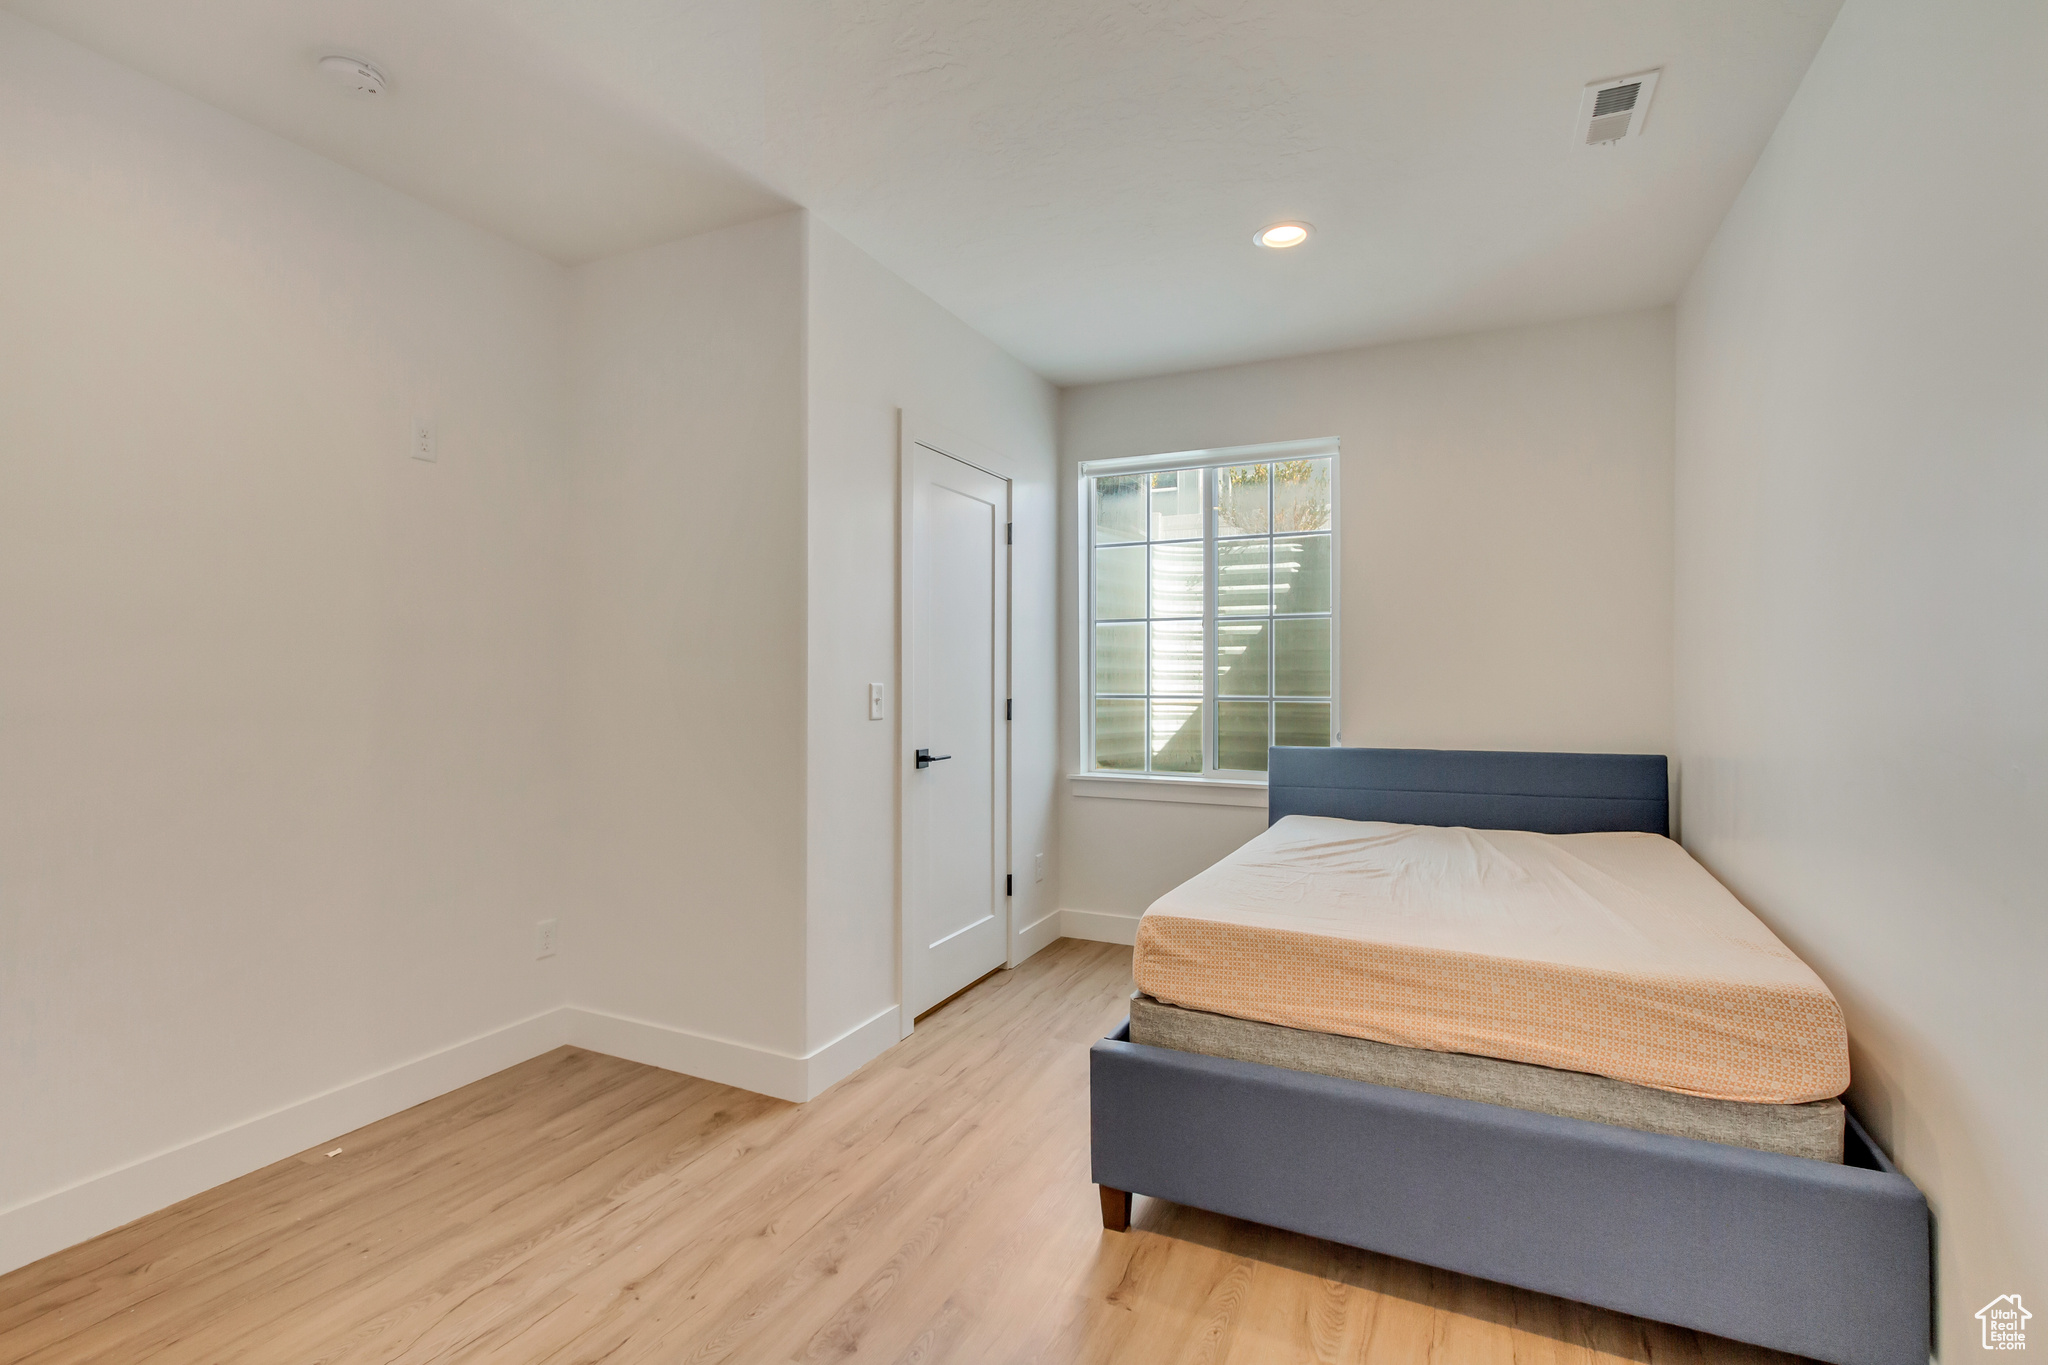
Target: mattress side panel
pixel 1813 1130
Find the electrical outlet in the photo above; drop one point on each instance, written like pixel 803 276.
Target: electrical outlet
pixel 874 701
pixel 424 446
pixel 544 938
pixel 1038 867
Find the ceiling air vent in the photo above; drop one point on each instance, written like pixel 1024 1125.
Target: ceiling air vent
pixel 1612 110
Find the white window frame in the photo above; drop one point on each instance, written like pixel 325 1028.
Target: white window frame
pixel 1212 786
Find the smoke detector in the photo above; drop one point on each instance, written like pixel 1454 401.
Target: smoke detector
pixel 359 76
pixel 1612 110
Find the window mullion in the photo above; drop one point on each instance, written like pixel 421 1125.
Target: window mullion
pixel 1145 712
pixel 1210 750
pixel 1088 625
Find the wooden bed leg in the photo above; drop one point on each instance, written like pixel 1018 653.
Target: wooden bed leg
pixel 1116 1209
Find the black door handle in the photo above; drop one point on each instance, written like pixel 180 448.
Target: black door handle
pixel 925 758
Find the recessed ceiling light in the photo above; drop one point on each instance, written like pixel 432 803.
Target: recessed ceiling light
pixel 1282 235
pixel 359 76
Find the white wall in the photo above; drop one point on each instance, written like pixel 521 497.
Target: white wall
pixel 1506 529
pixel 876 347
pixel 1862 595
pixel 688 707
pixel 302 736
pixel 280 745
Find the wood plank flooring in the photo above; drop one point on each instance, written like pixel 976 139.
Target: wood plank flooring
pixel 933 1207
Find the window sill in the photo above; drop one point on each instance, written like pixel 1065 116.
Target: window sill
pixel 1192 791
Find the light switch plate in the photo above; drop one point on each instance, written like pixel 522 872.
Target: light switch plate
pixel 874 701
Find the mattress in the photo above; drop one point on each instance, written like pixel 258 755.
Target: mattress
pixel 1611 954
pixel 1808 1130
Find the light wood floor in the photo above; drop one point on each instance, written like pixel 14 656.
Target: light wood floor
pixel 934 1207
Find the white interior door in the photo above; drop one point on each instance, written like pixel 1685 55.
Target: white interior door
pixel 956 759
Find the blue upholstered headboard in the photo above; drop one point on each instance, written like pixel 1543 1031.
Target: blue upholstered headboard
pixel 1547 793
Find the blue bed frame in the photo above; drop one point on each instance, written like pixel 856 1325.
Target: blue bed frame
pixel 1805 1256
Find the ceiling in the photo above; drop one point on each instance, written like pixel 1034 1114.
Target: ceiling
pixel 1077 179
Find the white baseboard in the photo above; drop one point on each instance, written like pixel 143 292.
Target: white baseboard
pixel 66 1217
pixel 1099 926
pixel 1035 936
pixel 51 1222
pixel 765 1071
pixel 693 1054
pixel 851 1051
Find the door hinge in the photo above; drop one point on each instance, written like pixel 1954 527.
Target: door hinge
pixel 1009 883
pixel 1008 702
pixel 1009 533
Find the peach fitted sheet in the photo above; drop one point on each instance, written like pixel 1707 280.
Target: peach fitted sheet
pixel 1614 954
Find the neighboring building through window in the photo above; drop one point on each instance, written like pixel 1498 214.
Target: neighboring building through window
pixel 1212 607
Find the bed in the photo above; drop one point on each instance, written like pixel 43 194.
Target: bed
pixel 1698 1214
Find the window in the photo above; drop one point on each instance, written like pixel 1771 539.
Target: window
pixel 1210 609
